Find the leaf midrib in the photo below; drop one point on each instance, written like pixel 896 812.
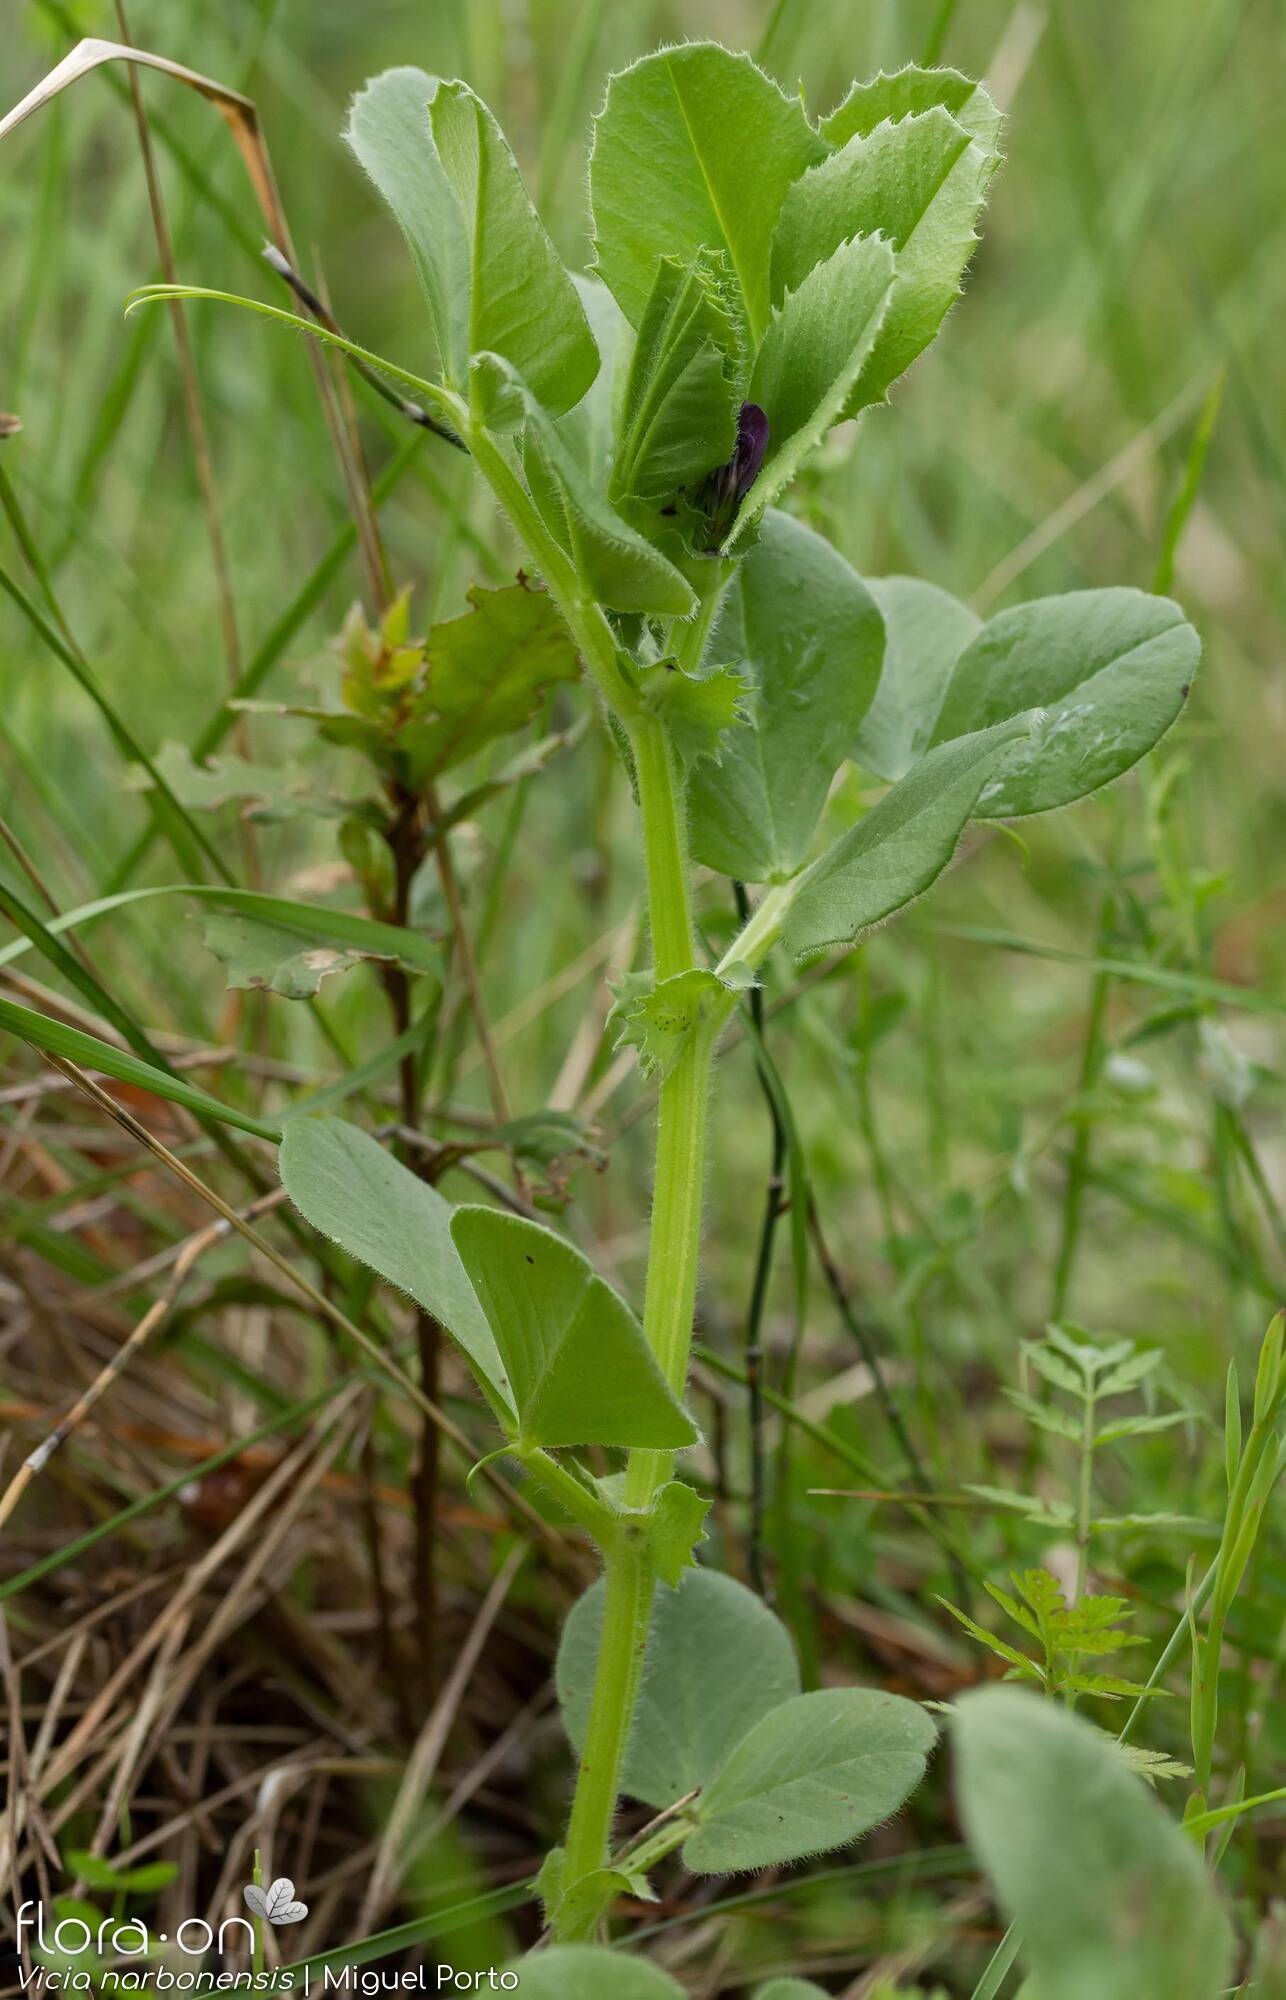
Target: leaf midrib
pixel 752 315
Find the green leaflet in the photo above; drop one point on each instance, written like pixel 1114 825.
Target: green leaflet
pixel 347 1186
pixel 675 1526
pixel 493 278
pixel 1109 671
pixel 589 1972
pixel 579 1367
pixel 816 1772
pixel 789 1989
pixel 623 570
pixel 679 420
pixel 659 1020
pixel 700 710
pixel 522 303
pixel 898 849
pixel 812 356
pixel 907 92
pixel 921 184
pixel 809 631
pixel 589 431
pixel 925 632
pixel 388 129
pixel 694 150
pixel 486 673
pixel 718 1662
pixel 1119 1904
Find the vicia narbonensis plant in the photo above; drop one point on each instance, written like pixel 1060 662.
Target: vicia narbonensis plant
pixel 760 276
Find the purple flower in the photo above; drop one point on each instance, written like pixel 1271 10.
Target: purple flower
pixel 727 488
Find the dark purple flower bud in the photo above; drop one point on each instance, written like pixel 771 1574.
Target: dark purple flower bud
pixel 728 487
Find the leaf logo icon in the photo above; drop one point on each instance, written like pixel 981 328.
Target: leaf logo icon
pixel 277 1902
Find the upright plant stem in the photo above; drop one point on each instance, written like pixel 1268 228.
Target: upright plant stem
pixel 627 1610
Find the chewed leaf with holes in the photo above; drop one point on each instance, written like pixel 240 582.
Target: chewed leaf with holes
pixel 812 638
pixel 1107 672
pixel 815 1773
pixel 1117 1904
pixel 579 1367
pixel 718 1662
pixel 350 1188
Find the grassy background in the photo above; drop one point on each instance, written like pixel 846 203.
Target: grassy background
pixel 1132 263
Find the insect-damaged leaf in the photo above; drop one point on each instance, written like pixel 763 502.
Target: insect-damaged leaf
pixel 1109 671
pixel 289 947
pixel 579 1367
pixel 1111 1900
pixel 814 1774
pixel 694 150
pixel 925 632
pixel 813 354
pixel 276 960
pixel 494 280
pixel 806 627
pixel 352 1190
pixel 588 1971
pixel 898 849
pixel 718 1661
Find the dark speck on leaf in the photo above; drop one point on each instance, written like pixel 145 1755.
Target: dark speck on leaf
pixel 531 1260
pixel 1185 690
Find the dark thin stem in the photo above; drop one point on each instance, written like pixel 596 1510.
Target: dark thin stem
pixel 838 1289
pixel 407 844
pixel 754 1353
pixel 413 412
pixel 1078 1165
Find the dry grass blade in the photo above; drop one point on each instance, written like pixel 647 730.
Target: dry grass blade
pixel 430 1743
pixel 242 119
pixel 238 112
pixel 153 1318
